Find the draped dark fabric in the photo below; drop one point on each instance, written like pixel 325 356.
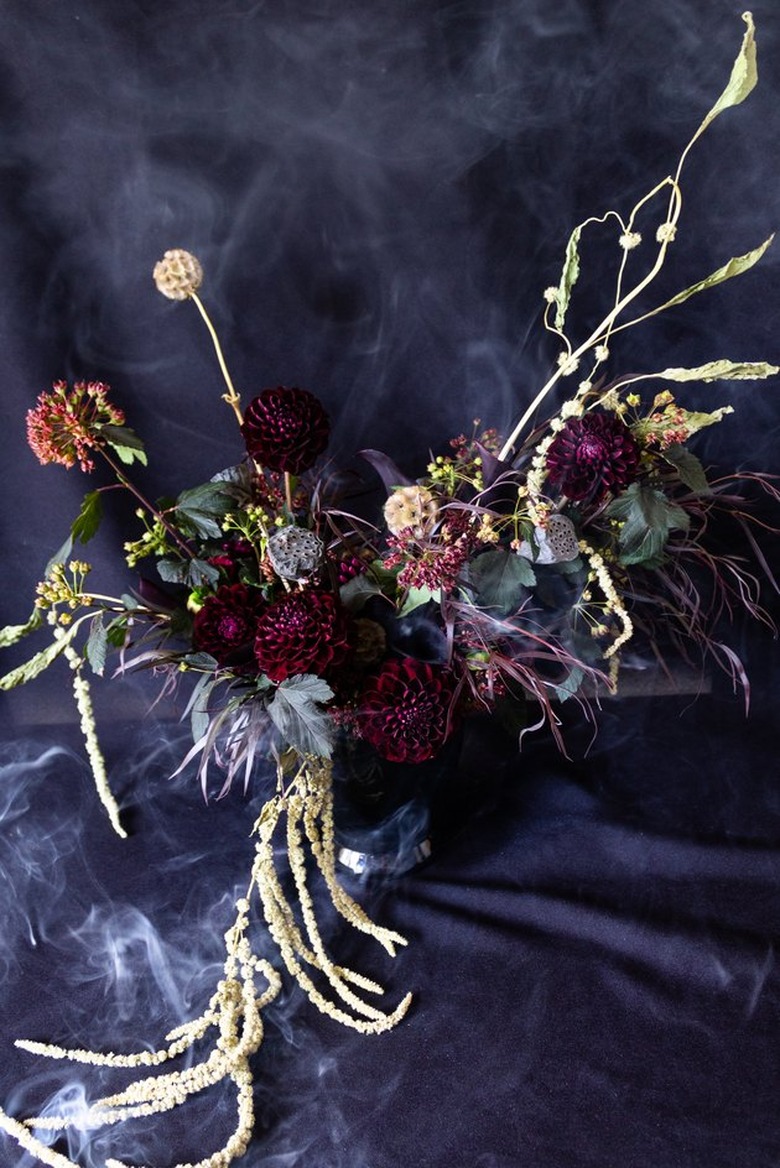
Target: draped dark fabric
pixel 379 193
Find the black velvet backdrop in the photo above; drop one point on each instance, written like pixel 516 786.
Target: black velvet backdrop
pixel 379 192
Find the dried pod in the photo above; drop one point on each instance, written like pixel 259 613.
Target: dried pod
pixel 178 274
pixel 562 538
pixel 295 553
pixel 556 543
pixel 413 507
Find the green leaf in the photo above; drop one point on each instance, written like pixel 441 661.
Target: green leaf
pixel 648 517
pixel 689 468
pixel 744 75
pixel 13 633
pixel 569 277
pixel 416 597
pixel 499 579
pixel 191 572
pixel 60 556
pixel 358 590
pixel 296 711
pixel 97 644
pixel 571 683
pixel 116 632
pixel 37 664
pixel 723 370
pixel 126 443
pixel 198 705
pixel 205 507
pixel 734 267
pixel 87 522
pixel 200 661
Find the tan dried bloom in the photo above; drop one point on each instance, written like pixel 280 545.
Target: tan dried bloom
pixel 630 239
pixel 178 274
pixel 413 507
pixel 666 233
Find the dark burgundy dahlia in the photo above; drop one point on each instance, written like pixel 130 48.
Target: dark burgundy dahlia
pixel 405 710
pixel 592 455
pixel 226 624
pixel 285 429
pixel 304 632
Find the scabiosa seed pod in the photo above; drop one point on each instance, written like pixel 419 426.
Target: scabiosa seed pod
pixel 592 456
pixel 285 429
pixel 410 507
pixel 178 274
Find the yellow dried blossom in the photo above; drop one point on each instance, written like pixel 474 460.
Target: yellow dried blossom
pixel 487 532
pixel 666 233
pixel 614 604
pixel 413 507
pixel 178 274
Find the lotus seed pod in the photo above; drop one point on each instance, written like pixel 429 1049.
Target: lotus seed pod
pixel 178 274
pixel 562 538
pixel 295 553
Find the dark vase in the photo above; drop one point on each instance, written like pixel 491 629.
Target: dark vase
pixel 391 817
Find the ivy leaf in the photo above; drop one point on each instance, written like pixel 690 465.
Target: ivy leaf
pixel 648 517
pixel 126 443
pixel 37 664
pixel 689 468
pixel 204 508
pixel 723 370
pixel 13 633
pixel 416 597
pixel 569 277
pixel 499 579
pixel 296 711
pixel 87 522
pixel 97 644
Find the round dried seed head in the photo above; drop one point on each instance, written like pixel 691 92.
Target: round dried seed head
pixel 413 507
pixel 178 274
pixel 295 553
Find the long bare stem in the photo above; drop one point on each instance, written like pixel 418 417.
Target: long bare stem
pixel 231 397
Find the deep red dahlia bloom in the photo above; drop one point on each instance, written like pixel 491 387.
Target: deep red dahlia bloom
pixel 304 632
pixel 404 710
pixel 285 429
pixel 592 455
pixel 227 622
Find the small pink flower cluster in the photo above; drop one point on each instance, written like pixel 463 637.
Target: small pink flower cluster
pixel 65 424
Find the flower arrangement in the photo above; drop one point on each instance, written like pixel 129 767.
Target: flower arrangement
pixel 509 577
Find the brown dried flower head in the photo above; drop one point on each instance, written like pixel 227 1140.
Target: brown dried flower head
pixel 178 274
pixel 411 507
